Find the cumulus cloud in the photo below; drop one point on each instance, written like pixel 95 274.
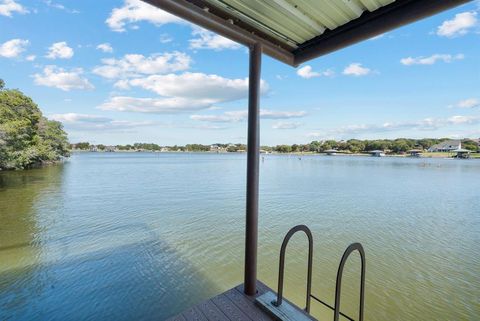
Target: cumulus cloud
pixel 184 92
pixel 13 48
pixel 198 87
pixel 431 59
pixel 208 40
pixel 135 65
pixel 286 125
pixel 105 47
pixel 95 122
pixel 134 11
pixel 307 72
pixel 7 7
pixel 60 78
pixel 242 115
pixel 422 125
pixel 460 25
pixel 31 58
pixel 152 105
pixel 468 103
pixel 59 50
pixel 356 69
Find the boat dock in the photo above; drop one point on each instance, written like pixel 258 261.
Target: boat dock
pixel 234 305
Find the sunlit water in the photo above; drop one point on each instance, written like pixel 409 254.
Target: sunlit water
pixel 139 236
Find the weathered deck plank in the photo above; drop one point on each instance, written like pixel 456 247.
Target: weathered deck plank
pixel 229 309
pixel 232 305
pixel 194 314
pixel 211 312
pixel 245 305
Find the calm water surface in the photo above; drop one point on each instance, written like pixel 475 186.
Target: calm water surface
pixel 138 236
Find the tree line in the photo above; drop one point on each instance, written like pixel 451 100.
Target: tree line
pixel 395 146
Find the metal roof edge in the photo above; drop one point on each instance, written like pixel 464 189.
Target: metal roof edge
pixel 227 28
pixel 371 24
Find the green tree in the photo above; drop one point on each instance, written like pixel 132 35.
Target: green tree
pixel 470 145
pixel 26 137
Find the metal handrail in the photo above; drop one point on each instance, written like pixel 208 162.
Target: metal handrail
pixel 351 248
pixel 281 271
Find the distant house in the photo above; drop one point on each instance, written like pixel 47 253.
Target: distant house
pixel 446 146
pixel 93 148
pixel 415 152
pixel 377 153
pixel 217 149
pixel 165 149
pixel 110 148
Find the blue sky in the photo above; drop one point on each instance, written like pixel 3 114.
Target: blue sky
pixel 121 71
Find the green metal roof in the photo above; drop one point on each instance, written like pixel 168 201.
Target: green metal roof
pixel 295 31
pixel 294 22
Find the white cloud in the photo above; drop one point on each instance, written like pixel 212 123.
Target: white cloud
pixel 70 118
pixel 134 65
pixel 7 7
pixel 307 72
pixel 459 25
pixel 468 103
pixel 356 69
pixel 431 59
pixel 208 40
pixel 242 115
pixel 286 125
pixel 31 58
pixel 185 92
pixel 59 50
pixel 60 78
pixel 105 47
pixel 463 120
pixel 152 105
pixel 427 124
pixel 209 89
pixel 95 122
pixel 13 48
pixel 134 11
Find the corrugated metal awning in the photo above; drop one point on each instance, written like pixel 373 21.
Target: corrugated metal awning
pixel 293 22
pixel 295 31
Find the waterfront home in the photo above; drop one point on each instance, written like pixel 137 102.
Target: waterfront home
pixel 93 148
pixel 446 146
pixel 293 34
pixel 217 149
pixel 110 149
pixel 377 153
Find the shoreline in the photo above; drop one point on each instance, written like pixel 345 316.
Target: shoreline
pixel 428 155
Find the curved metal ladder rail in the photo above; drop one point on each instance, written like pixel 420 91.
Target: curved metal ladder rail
pixel 338 287
pixel 350 249
pixel 281 270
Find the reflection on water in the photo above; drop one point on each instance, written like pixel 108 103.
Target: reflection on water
pixel 143 236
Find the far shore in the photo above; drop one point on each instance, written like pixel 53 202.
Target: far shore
pixel 338 154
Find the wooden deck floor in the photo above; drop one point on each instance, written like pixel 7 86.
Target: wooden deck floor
pixel 232 305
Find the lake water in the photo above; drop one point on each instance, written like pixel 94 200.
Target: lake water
pixel 142 236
